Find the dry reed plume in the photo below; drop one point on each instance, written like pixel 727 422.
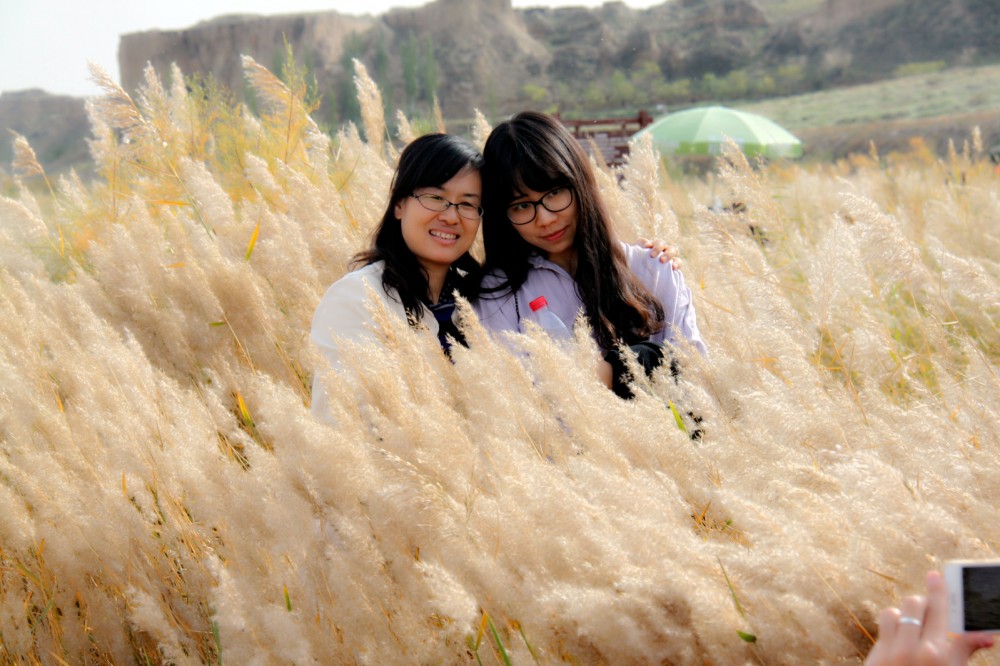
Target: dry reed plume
pixel 169 499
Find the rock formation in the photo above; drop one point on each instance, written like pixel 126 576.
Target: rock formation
pixel 485 54
pixel 215 46
pixel 485 51
pixel 54 125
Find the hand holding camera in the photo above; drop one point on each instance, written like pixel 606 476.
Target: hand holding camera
pixel 918 631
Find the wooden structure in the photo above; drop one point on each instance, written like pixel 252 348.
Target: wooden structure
pixel 607 136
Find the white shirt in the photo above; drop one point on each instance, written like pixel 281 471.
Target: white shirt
pixel 345 313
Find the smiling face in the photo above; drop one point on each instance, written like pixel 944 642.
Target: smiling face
pixel 439 238
pixel 552 233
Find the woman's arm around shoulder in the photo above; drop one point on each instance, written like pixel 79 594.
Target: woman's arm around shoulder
pixel 669 287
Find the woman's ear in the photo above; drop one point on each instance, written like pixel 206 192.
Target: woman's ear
pixel 397 210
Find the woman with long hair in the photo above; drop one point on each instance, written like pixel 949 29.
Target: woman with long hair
pixel 419 256
pixel 548 233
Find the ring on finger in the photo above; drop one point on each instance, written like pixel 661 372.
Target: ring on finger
pixel 906 619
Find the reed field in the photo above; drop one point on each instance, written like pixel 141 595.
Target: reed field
pixel 169 499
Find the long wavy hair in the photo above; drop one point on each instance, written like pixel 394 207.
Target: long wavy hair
pixel 428 161
pixel 533 151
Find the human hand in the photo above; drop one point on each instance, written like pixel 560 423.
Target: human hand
pixel 605 373
pixel 916 633
pixel 665 253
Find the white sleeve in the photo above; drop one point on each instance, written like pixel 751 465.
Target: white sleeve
pixel 343 314
pixel 669 287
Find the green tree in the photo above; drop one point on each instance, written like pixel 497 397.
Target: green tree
pixel 736 84
pixel 764 86
pixel 646 78
pixel 563 95
pixel 622 90
pixel 535 92
pixel 350 109
pixel 790 76
pixel 430 70
pixel 382 73
pixel 593 96
pixel 709 86
pixel 648 75
pixel 678 90
pixel 409 53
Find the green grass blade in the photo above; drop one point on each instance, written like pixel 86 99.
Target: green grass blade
pixel 253 241
pixel 218 640
pixel 496 637
pixel 531 650
pixel 474 648
pixel 732 591
pixel 677 417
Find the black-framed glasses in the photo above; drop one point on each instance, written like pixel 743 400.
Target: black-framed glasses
pixel 439 204
pixel 554 201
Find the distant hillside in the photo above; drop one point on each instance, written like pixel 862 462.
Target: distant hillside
pixel 483 54
pixel 852 41
pixel 55 125
pixel 938 107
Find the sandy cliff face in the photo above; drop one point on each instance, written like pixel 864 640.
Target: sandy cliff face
pixel 215 46
pixel 484 54
pixel 54 125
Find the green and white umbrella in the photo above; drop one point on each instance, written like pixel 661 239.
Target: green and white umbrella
pixel 703 131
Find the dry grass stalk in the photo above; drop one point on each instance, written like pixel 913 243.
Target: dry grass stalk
pixel 372 114
pixel 25 161
pixel 641 184
pixel 481 129
pixel 438 116
pixel 404 131
pixel 116 107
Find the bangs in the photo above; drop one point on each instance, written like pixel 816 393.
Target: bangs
pixel 431 161
pixel 436 172
pixel 530 176
pixel 441 171
pixel 527 153
pixel 537 170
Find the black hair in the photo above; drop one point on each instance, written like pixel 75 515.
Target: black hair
pixel 533 151
pixel 428 161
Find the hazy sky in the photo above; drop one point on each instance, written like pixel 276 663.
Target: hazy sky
pixel 47 43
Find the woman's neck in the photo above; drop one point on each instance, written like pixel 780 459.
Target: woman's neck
pixel 565 260
pixel 436 276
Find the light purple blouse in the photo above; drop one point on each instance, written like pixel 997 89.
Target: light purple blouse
pixel 557 286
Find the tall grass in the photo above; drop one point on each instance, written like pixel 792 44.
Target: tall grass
pixel 169 499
